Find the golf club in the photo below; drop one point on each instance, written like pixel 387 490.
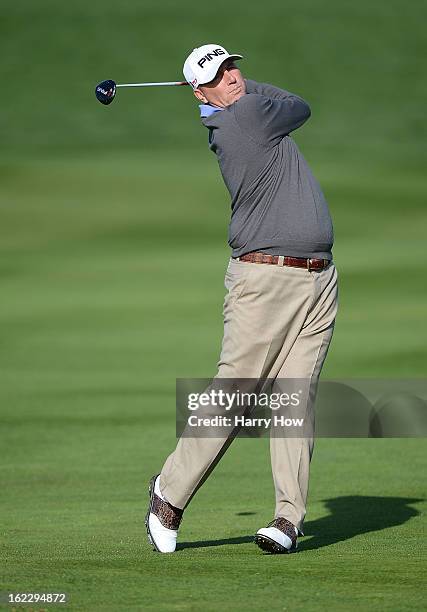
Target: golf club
pixel 106 90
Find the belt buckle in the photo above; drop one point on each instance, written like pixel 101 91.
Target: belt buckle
pixel 308 264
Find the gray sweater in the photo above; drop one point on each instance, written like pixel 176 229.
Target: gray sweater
pixel 277 205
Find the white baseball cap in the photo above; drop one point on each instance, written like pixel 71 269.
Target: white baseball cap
pixel 203 63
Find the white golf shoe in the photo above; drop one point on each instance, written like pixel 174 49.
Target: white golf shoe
pixel 162 520
pixel 280 536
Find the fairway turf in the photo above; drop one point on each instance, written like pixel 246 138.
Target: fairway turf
pixel 113 251
pixel 98 321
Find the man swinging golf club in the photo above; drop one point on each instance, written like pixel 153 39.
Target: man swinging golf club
pixel 281 303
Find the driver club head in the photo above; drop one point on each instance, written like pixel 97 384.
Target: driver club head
pixel 105 91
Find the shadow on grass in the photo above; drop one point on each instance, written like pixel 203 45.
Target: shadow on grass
pixel 206 543
pixel 354 515
pixel 349 516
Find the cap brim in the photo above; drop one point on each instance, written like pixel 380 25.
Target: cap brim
pixel 210 76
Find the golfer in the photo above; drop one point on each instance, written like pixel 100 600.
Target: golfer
pixel 281 303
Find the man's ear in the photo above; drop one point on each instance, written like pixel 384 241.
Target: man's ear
pixel 200 96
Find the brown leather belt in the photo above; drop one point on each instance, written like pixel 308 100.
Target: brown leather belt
pixel 281 260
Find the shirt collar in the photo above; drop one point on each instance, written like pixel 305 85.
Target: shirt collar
pixel 206 110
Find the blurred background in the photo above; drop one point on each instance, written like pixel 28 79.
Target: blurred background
pixel 114 242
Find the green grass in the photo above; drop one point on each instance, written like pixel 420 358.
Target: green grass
pixel 113 249
pixel 79 527
pixel 105 301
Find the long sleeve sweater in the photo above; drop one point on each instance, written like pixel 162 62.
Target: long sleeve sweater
pixel 277 206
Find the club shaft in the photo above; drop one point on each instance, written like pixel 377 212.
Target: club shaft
pixel 152 84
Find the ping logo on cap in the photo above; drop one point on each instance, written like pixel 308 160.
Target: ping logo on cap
pixel 209 56
pixel 203 63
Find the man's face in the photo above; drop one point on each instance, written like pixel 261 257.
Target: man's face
pixel 227 87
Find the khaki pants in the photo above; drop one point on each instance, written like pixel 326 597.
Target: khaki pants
pixel 278 323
